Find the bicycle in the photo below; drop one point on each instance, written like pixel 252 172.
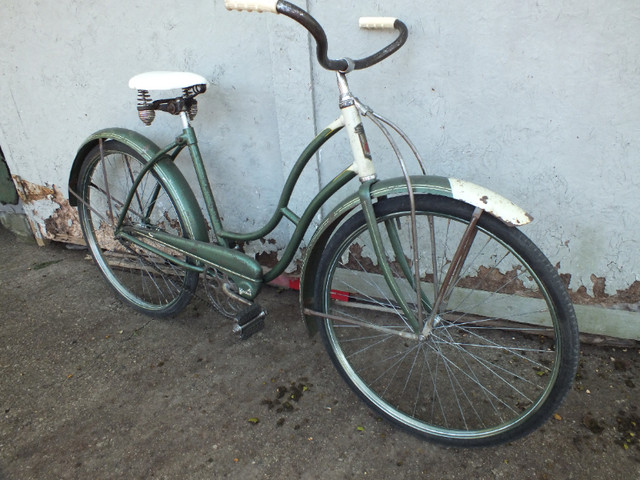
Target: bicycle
pixel 436 310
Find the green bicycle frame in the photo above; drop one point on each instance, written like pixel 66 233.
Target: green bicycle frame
pixel 243 269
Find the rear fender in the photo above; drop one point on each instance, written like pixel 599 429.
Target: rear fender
pixel 468 192
pixel 165 169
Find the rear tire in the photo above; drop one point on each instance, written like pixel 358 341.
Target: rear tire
pixel 503 350
pixel 146 281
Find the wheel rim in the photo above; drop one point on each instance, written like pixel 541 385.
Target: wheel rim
pixel 145 280
pixel 469 380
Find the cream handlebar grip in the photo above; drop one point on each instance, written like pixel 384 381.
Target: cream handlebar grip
pixel 252 5
pixel 377 23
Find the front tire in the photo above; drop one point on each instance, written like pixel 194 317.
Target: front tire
pixel 503 350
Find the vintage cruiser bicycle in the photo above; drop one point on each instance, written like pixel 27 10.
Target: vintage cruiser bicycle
pixel 435 308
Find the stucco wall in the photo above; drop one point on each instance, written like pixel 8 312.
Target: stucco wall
pixel 536 100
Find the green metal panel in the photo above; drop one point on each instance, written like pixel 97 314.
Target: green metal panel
pixel 8 193
pixel 138 142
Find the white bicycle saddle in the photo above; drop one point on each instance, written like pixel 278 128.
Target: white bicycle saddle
pixel 166 80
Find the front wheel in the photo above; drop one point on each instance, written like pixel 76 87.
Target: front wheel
pixel 500 351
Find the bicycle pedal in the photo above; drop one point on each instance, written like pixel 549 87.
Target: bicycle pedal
pixel 249 321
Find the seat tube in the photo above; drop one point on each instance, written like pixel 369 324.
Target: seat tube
pixel 362 163
pixel 203 180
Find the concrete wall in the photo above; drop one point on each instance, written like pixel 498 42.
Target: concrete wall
pixel 536 100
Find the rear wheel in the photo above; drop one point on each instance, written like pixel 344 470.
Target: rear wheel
pixel 502 350
pixel 147 281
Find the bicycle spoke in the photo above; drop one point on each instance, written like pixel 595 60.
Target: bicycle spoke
pixel 480 371
pixel 146 280
pixel 132 177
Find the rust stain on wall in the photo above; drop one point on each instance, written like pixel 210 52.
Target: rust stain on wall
pixel 627 299
pixel 509 283
pixel 31 192
pixel 63 225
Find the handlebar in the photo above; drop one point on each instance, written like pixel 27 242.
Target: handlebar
pixel 315 29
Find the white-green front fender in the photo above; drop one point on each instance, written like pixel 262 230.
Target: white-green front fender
pixel 468 192
pixel 489 201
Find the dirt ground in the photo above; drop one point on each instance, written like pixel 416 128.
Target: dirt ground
pixel 89 389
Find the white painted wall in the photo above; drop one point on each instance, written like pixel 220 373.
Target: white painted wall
pixel 538 100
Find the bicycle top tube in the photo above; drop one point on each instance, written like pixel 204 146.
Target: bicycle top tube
pixel 315 29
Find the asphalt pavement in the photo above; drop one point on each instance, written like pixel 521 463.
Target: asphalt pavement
pixel 90 389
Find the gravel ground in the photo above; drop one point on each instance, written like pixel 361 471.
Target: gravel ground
pixel 90 389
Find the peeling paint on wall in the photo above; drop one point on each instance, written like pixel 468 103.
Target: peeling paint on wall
pixel 626 299
pixel 509 283
pixel 51 216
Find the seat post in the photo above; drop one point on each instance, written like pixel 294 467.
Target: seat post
pixel 185 120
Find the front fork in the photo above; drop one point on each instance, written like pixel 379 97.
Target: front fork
pixel 425 315
pixel 383 263
pixel 364 168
